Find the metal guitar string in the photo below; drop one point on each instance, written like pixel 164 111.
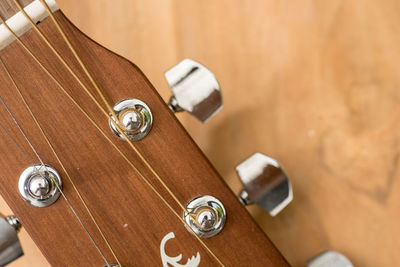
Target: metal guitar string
pixel 16 143
pixel 40 160
pixel 71 181
pixel 110 113
pixel 16 123
pixel 82 110
pixel 117 126
pixel 111 142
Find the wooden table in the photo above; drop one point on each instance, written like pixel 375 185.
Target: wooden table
pixel 314 84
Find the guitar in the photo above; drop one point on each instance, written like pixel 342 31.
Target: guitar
pixel 106 174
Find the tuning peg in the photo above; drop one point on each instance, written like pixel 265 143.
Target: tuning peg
pixel 10 248
pixel 194 89
pixel 265 183
pixel 329 258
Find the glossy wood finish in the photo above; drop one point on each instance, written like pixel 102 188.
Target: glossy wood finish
pixel 320 80
pixel 133 219
pixel 294 65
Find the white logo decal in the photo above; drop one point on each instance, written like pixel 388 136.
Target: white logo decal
pixel 192 262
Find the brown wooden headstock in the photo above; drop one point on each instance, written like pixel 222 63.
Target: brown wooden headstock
pixel 133 219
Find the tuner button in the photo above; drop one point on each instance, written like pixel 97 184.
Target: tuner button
pixel 329 258
pixel 10 247
pixel 194 89
pixel 265 183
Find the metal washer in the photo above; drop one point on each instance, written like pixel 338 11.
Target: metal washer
pixel 200 203
pixel 39 170
pixel 132 103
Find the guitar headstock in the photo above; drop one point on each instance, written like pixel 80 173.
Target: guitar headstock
pixel 137 200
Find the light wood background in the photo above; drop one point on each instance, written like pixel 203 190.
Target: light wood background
pixel 314 84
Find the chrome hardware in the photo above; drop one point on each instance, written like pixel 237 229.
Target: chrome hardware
pixel 206 216
pixel 14 222
pixel 134 118
pixel 39 185
pixel 329 258
pixel 10 247
pixel 265 183
pixel 194 89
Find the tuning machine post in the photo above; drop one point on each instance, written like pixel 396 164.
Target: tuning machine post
pixel 134 117
pixel 264 183
pixel 40 185
pixel 195 90
pixel 10 247
pixel 206 216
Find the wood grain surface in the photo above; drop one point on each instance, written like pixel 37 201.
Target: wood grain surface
pixel 311 83
pixel 8 8
pixel 132 218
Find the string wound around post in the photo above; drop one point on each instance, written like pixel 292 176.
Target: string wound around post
pixel 39 185
pixel 206 216
pixel 134 117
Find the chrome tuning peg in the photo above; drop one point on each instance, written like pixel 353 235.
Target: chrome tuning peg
pixel 265 183
pixel 329 258
pixel 10 247
pixel 194 89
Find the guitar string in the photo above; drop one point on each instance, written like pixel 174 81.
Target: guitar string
pixel 111 110
pixel 111 142
pixel 16 143
pixel 85 113
pixel 73 184
pixel 97 88
pixel 58 187
pixel 41 162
